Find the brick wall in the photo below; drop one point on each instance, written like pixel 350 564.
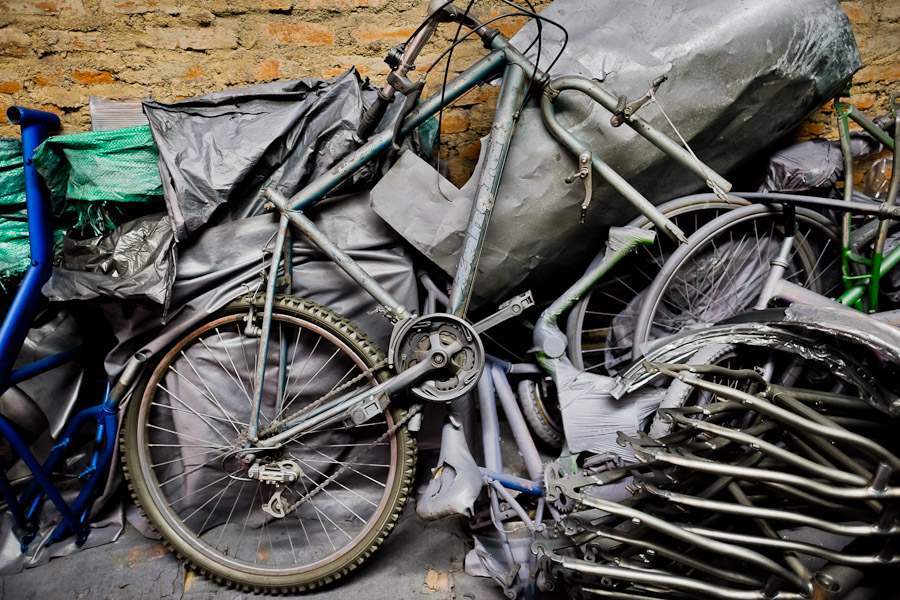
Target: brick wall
pixel 54 54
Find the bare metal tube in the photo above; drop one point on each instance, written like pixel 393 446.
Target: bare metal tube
pixel 489 181
pixel 609 174
pixel 841 558
pixel 341 259
pixel 773 450
pixel 513 413
pixel 650 133
pixel 771 514
pixel 261 356
pixel 490 428
pixel 669 581
pixel 667 528
pixel 816 428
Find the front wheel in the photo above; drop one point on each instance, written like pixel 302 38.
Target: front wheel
pixel 211 507
pixel 721 271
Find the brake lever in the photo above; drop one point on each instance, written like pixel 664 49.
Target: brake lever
pixel 625 110
pixel 585 173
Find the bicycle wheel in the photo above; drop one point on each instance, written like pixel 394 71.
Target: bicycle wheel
pixel 184 427
pixel 600 326
pixel 720 272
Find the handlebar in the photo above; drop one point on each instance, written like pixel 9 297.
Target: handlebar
pixel 439 11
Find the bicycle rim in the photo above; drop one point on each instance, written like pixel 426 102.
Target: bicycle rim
pixel 183 430
pixel 601 325
pixel 720 272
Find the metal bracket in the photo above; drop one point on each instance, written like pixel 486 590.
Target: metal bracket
pixel 276 506
pixel 625 110
pixel 511 308
pixel 365 410
pixel 285 471
pixel 585 173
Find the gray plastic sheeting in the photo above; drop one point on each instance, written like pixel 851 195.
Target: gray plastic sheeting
pixel 136 261
pixel 217 152
pixel 741 75
pixel 226 261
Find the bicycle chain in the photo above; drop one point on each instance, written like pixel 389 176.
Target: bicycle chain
pixel 276 425
pixel 344 466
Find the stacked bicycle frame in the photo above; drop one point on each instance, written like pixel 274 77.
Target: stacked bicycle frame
pixel 770 467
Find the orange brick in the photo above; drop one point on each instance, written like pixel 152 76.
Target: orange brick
pixel 810 130
pixel 79 41
pixel 454 122
pixel 92 77
pixel 129 7
pixel 299 34
pixel 890 11
pixel 333 72
pixel 508 26
pixel 10 87
pixel 48 79
pixel 863 101
pixel 198 38
pixel 40 7
pixel 269 69
pixel 193 73
pixel 471 151
pixel 345 4
pixel 857 12
pixel 277 4
pixel 889 72
pixel 370 33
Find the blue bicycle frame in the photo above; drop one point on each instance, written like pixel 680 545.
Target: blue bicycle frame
pixel 26 507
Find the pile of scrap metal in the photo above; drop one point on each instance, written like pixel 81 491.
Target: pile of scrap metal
pixel 768 471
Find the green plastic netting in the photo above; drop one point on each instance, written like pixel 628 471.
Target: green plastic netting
pixel 14 253
pixel 97 176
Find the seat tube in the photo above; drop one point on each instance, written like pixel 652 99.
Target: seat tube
pixel 511 90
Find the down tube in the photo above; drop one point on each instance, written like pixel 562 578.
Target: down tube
pixel 504 125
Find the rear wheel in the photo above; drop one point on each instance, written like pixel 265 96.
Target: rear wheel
pixel 212 508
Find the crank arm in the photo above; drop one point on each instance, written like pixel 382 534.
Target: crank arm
pixel 359 403
pixel 509 309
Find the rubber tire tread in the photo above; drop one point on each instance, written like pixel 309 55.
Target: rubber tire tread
pixel 536 417
pixel 342 328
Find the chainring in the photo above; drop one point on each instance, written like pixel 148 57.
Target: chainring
pixel 417 342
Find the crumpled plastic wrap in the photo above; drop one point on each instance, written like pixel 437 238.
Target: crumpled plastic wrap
pixel 223 262
pixel 217 152
pixel 814 165
pixel 136 261
pixel 741 75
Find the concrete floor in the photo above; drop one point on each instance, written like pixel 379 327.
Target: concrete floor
pixel 419 560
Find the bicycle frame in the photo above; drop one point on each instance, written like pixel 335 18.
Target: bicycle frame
pixel 35 125
pixel 518 74
pixel 878 264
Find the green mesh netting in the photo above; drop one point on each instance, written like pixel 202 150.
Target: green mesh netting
pixel 14 252
pixel 93 177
